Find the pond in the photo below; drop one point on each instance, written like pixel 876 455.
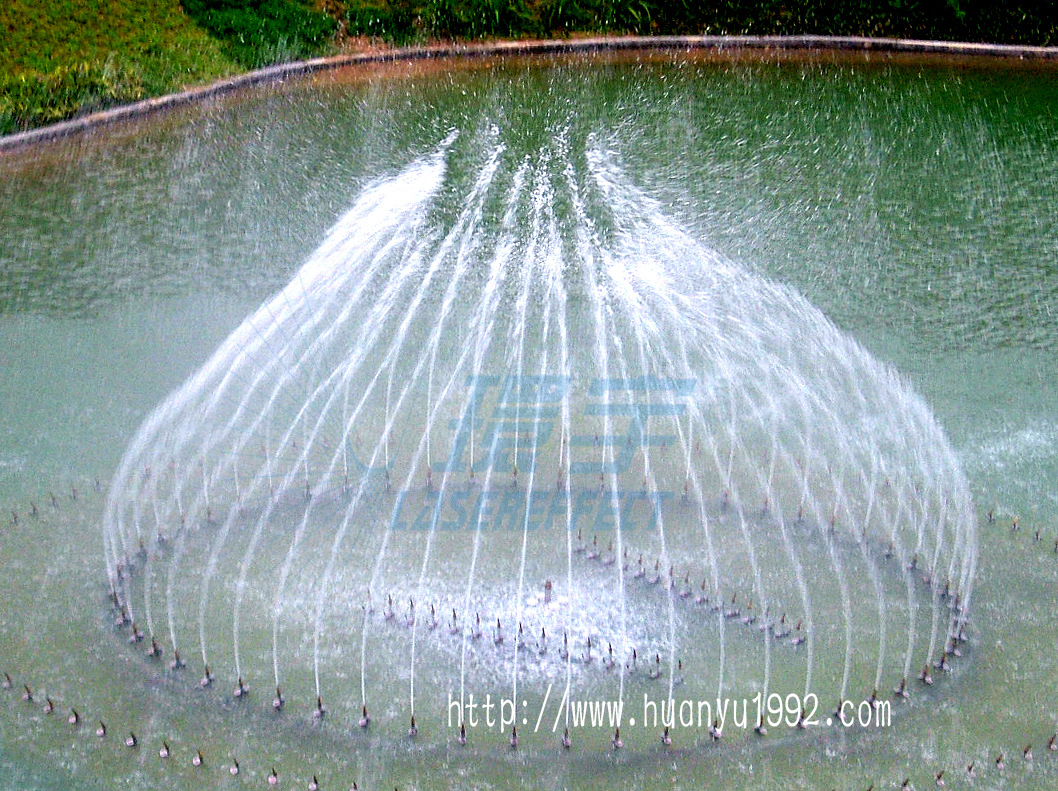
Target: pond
pixel 632 391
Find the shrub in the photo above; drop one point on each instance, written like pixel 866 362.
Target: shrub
pixel 1027 21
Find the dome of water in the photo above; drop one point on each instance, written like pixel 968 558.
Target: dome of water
pixel 519 432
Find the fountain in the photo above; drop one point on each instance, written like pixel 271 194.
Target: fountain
pixel 496 449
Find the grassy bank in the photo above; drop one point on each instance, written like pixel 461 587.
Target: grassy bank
pixel 61 58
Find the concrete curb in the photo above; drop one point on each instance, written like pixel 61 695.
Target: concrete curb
pixel 525 47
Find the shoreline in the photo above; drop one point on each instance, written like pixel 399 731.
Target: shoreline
pixel 718 44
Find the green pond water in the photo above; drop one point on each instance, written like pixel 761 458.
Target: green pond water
pixel 914 202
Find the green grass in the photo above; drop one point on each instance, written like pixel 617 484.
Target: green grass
pixel 258 32
pixel 59 58
pixel 40 35
pixel 41 98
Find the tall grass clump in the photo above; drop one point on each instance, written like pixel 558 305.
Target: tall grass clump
pixel 35 99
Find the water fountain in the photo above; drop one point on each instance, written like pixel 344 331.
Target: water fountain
pixel 505 450
pixel 606 407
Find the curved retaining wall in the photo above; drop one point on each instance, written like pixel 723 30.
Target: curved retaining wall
pixel 525 47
